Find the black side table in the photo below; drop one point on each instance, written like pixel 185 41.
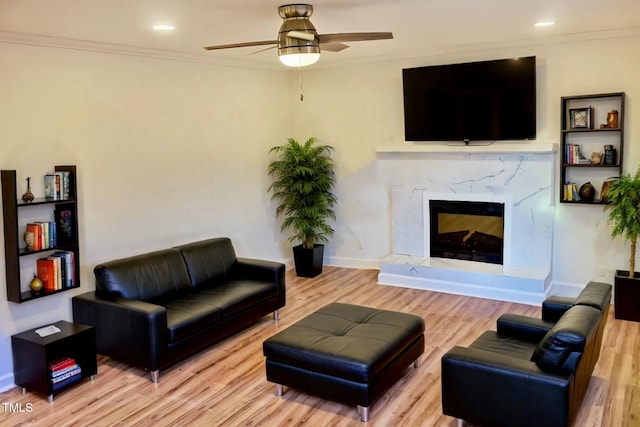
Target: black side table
pixel 33 354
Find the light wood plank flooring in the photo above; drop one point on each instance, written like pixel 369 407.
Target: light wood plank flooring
pixel 226 385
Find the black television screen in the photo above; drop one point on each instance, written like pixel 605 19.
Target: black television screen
pixel 476 101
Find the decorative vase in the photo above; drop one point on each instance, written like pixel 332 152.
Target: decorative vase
pixel 587 192
pixel 28 196
pixel 612 119
pixel 29 239
pixel 36 283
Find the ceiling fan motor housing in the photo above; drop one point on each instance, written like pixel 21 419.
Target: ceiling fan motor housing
pixel 296 18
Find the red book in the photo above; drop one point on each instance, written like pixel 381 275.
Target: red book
pixel 36 229
pixel 46 273
pixel 61 364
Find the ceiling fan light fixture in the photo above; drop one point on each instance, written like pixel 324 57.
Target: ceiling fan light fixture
pixel 299 59
pixel 298 41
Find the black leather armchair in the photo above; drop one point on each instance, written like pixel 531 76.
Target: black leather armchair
pixel 524 374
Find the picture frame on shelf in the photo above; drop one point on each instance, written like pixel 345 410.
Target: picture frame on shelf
pixel 580 118
pixel 65 226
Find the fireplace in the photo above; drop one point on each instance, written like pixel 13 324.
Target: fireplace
pixel 517 179
pixel 466 230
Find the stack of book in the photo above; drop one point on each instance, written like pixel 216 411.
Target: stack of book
pixel 573 155
pixel 56 186
pixel 570 192
pixel 57 271
pixel 64 371
pixel 44 234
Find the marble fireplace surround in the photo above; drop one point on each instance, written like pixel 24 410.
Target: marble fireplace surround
pixel 519 174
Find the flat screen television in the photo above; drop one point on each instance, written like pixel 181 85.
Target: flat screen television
pixel 475 101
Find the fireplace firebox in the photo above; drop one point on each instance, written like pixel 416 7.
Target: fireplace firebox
pixel 466 230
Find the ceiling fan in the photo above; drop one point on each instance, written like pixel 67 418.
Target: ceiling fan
pixel 298 42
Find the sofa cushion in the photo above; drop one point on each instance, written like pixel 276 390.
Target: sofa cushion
pixel 197 310
pixel 148 277
pixel 567 336
pixel 209 261
pixel 187 314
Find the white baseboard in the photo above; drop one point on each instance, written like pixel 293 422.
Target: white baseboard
pixel 6 382
pixel 361 264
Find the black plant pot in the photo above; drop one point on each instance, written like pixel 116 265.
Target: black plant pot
pixel 308 261
pixel 627 296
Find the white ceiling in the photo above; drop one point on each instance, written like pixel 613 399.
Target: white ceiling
pixel 421 27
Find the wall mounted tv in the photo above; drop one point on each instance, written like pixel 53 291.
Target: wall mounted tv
pixel 477 101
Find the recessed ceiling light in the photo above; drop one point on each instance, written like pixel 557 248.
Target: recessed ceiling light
pixel 544 24
pixel 164 27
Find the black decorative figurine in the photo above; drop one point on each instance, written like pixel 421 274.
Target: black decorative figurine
pixel 28 196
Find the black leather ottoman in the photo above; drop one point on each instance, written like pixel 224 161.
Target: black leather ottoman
pixel 346 353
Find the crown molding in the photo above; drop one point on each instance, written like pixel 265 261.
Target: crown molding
pixel 120 49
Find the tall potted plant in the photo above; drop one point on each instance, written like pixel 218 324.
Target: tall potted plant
pixel 303 177
pixel 624 215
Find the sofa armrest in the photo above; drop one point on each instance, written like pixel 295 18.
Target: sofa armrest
pixel 268 271
pixel 523 327
pixel 554 307
pixel 490 388
pixel 131 331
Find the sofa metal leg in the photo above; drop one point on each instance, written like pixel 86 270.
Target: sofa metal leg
pixel 154 376
pixel 276 315
pixel 279 390
pixel 416 363
pixel 459 422
pixel 363 411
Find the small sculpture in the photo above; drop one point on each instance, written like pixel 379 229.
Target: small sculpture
pixel 28 196
pixel 596 158
pixel 29 239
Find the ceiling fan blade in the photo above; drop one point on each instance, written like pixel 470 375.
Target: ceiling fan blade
pixel 262 50
pixel 333 47
pixel 247 44
pixel 353 37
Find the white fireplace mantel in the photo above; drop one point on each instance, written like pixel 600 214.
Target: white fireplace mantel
pixel 521 173
pixel 495 148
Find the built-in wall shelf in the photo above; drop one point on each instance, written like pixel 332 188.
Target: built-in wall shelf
pixel 495 148
pixel 590 124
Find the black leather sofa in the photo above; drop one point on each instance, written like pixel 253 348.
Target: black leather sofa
pixel 529 372
pixel 154 309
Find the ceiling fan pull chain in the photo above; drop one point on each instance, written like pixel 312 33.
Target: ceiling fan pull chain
pixel 300 83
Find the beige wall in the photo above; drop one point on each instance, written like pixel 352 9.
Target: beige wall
pixel 358 109
pixel 170 152
pixel 167 153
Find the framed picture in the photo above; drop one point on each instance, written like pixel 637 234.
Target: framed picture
pixel 65 226
pixel 580 118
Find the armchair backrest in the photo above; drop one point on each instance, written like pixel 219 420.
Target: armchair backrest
pixel 572 335
pixel 595 294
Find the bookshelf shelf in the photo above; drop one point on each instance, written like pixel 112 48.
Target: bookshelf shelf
pixel 17 258
pixel 580 140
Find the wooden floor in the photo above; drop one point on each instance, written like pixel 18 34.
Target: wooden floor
pixel 225 385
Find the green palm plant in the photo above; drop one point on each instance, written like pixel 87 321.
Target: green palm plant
pixel 304 175
pixel 624 215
